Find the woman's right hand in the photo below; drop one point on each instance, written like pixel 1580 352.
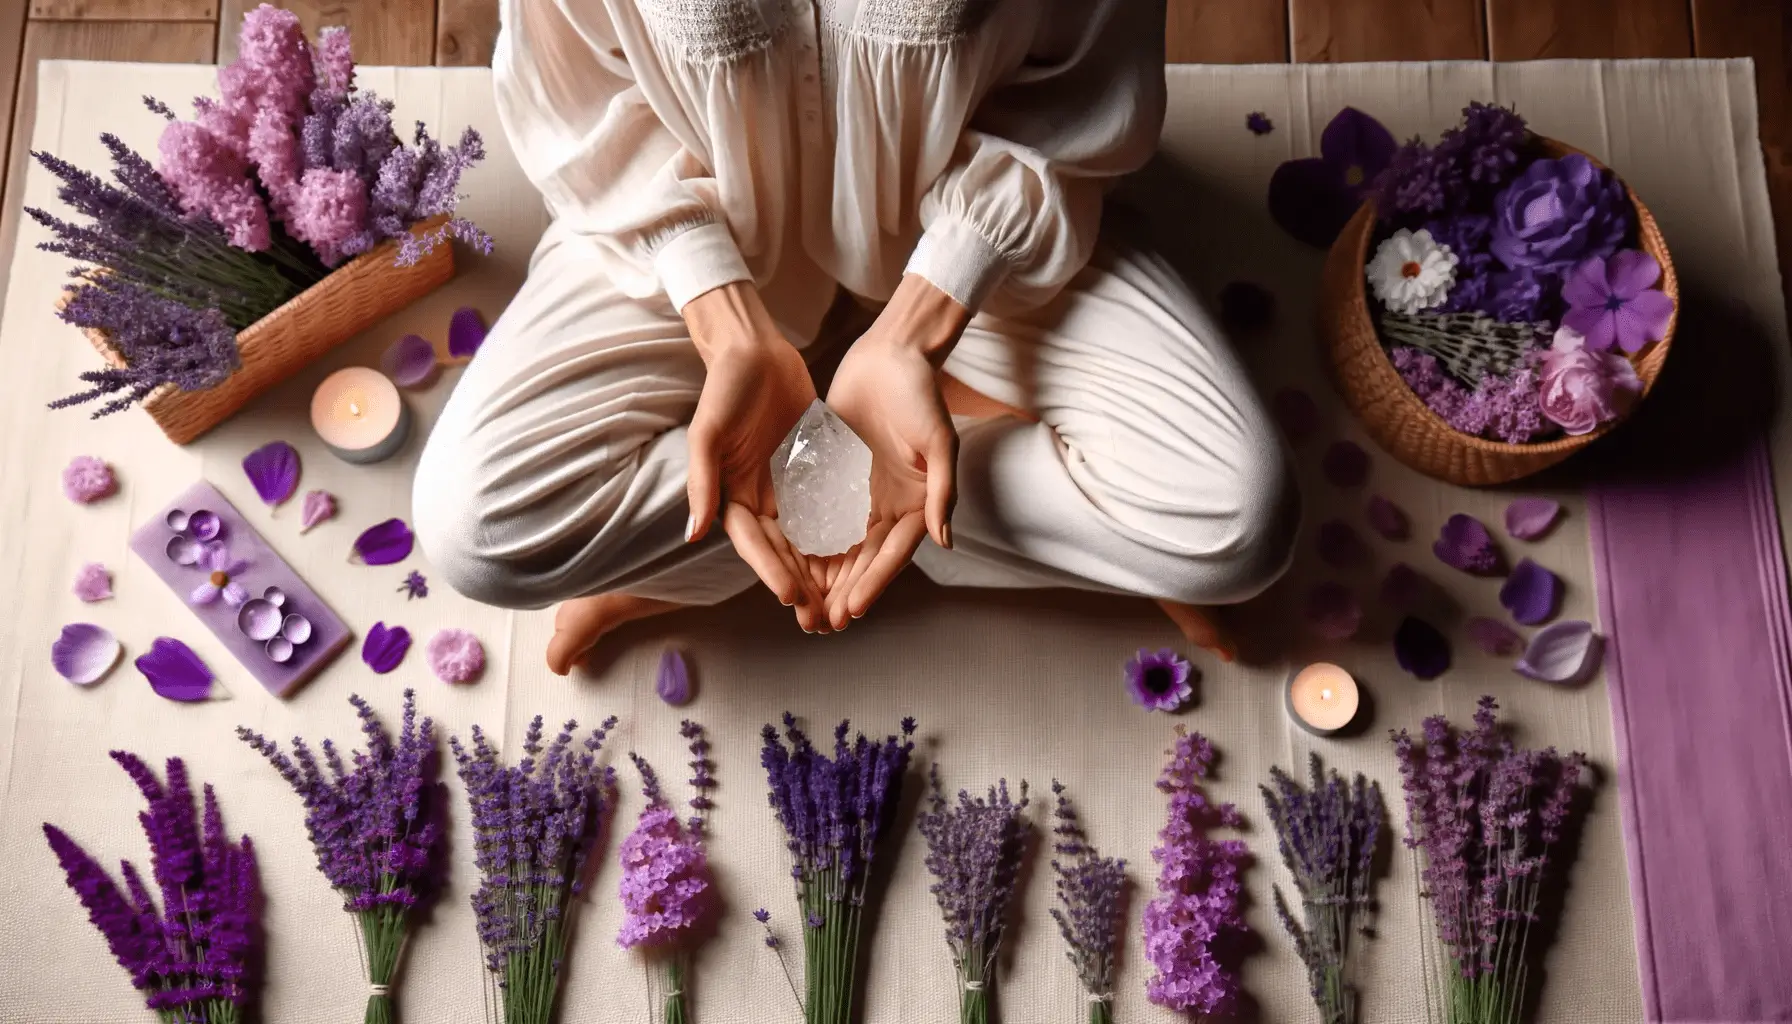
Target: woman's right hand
pixel 755 389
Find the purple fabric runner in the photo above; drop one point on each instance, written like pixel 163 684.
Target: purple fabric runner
pixel 1692 588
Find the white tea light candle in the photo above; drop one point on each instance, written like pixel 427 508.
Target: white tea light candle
pixel 359 415
pixel 1322 698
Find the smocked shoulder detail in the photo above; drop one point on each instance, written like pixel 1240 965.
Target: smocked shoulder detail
pixel 712 30
pixel 918 21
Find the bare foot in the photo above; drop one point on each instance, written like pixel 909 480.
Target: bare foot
pixel 962 400
pixel 580 623
pixel 1199 627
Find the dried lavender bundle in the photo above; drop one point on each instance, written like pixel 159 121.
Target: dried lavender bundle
pixel 1092 889
pixel 1327 835
pixel 376 830
pixel 535 829
pixel 191 958
pixel 1486 815
pixel 974 849
pixel 834 812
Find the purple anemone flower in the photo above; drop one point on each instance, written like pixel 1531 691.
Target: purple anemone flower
pixel 1159 681
pixel 1614 301
pixel 1313 198
pixel 220 581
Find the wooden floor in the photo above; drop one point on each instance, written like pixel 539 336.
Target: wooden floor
pixel 460 32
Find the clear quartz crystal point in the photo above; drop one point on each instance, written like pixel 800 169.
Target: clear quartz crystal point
pixel 822 476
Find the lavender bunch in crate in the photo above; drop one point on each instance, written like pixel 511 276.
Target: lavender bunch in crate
pixel 1091 890
pixel 376 830
pixel 1327 834
pixel 191 957
pixel 1486 815
pixel 535 828
pixel 974 849
pixel 835 811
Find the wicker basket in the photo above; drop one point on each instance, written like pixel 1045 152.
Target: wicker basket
pixel 1398 419
pixel 352 298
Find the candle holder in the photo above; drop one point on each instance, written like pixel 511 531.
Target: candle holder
pixel 359 415
pixel 1323 699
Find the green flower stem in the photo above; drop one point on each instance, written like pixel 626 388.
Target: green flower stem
pixel 382 936
pixel 830 952
pixel 1100 1012
pixel 673 971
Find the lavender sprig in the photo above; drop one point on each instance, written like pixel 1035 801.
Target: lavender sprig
pixel 1326 834
pixel 974 850
pixel 536 825
pixel 191 956
pixel 374 828
pixel 1092 891
pixel 834 812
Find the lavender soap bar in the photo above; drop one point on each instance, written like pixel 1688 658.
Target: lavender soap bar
pixel 252 601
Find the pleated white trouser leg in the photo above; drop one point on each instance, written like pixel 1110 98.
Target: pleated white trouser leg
pixel 557 468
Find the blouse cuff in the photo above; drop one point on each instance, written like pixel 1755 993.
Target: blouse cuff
pixel 698 260
pixel 956 258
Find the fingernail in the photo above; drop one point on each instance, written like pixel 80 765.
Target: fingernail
pixel 858 615
pixel 946 534
pixel 783 602
pixel 690 527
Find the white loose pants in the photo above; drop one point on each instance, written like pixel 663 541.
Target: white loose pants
pixel 557 468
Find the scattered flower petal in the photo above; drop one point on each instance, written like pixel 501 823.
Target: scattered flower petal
pixel 87 479
pixel 1246 307
pixel 1333 611
pixel 1493 636
pixel 466 332
pixel 205 525
pixel 385 647
pixel 1296 413
pixel 385 543
pixel 259 619
pixel 1346 464
pixel 273 470
pixel 410 361
pixel 1159 681
pixel 1387 519
pixel 1403 588
pixel 1340 546
pixel 1421 649
pixel 93 583
pixel 174 671
pixel 319 506
pixel 1531 518
pixel 84 653
pixel 1565 652
pixel 1532 593
pixel 1313 198
pixel 1465 544
pixel 455 656
pixel 414 586
pixel 1259 123
pixel 673 682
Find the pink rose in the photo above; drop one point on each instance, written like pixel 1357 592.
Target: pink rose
pixel 1583 389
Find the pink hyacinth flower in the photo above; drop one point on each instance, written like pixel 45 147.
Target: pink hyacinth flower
pixel 331 210
pixel 208 177
pixel 334 63
pixel 274 148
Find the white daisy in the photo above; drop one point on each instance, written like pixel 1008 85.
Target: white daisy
pixel 1411 272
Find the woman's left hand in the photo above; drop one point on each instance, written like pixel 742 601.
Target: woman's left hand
pixel 887 390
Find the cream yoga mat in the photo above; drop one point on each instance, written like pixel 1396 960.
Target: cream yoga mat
pixel 1005 685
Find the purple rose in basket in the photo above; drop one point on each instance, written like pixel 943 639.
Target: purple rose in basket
pixel 1557 213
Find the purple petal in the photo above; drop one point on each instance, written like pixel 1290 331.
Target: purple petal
pixel 1532 593
pixel 174 671
pixel 410 361
pixel 93 583
pixel 466 332
pixel 1565 653
pixel 1630 272
pixel 673 682
pixel 1345 464
pixel 1465 544
pixel 1358 146
pixel 259 619
pixel 1296 413
pixel 1404 588
pixel 1333 611
pixel 235 594
pixel 319 506
pixel 204 594
pixel 1309 200
pixel 1387 519
pixel 1531 518
pixel 385 543
pixel 1340 546
pixel 384 648
pixel 273 470
pixel 1421 649
pixel 1585 286
pixel 84 653
pixel 1493 636
pixel 205 525
pixel 1645 319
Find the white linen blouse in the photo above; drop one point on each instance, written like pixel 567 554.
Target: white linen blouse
pixel 798 143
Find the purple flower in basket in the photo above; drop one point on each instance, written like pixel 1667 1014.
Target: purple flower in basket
pixel 1484 148
pixel 1614 302
pixel 1557 213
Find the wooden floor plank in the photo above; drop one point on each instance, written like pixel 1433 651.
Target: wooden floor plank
pixel 1227 32
pixel 124 10
pixel 1356 30
pixel 383 31
pixel 1537 29
pixel 169 42
pixel 466 30
pixel 12 43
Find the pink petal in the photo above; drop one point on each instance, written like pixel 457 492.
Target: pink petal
pixel 235 594
pixel 1387 519
pixel 319 506
pixel 1628 272
pixel 385 543
pixel 204 594
pixel 455 656
pixel 84 653
pixel 1564 653
pixel 466 332
pixel 1346 464
pixel 1493 636
pixel 1531 518
pixel 410 361
pixel 174 671
pixel 273 469
pixel 1333 611
pixel 93 583
pixel 1532 593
